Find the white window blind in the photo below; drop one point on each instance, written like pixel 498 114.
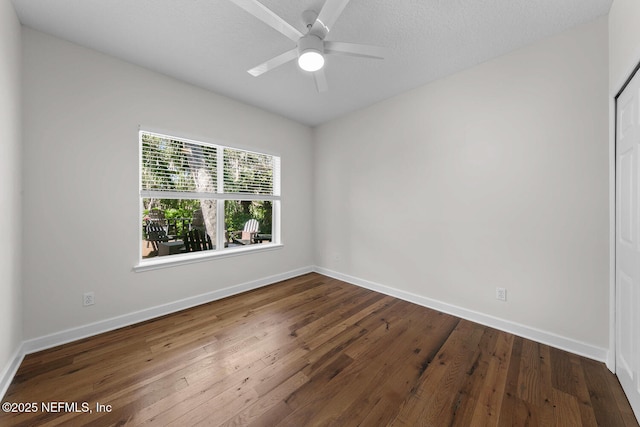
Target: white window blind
pixel 170 165
pixel 173 167
pixel 248 173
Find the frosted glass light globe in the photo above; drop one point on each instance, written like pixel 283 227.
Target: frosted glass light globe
pixel 311 60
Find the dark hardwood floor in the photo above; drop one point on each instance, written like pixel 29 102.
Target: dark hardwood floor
pixel 307 352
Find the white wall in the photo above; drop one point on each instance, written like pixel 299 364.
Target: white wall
pixel 10 183
pixel 82 111
pixel 496 176
pixel 624 41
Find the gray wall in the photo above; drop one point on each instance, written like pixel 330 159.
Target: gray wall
pixel 10 183
pixel 82 112
pixel 624 41
pixel 494 177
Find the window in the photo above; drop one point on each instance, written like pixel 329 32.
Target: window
pixel 199 198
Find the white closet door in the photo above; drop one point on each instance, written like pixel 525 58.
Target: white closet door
pixel 628 242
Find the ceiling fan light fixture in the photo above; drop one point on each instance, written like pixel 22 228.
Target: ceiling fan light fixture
pixel 310 53
pixel 311 60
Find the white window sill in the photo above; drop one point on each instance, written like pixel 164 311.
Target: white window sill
pixel 181 259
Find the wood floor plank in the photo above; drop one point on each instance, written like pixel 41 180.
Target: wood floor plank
pixel 314 351
pixel 587 415
pixel 488 406
pixel 383 378
pixel 566 409
pixel 253 413
pixel 173 405
pixel 433 401
pixel 510 402
pixel 562 373
pixel 601 394
pixel 394 381
pixel 470 392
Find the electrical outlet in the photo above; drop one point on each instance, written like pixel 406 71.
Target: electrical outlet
pixel 501 294
pixel 88 299
pixel 337 258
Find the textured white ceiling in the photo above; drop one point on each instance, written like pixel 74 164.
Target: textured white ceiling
pixel 211 43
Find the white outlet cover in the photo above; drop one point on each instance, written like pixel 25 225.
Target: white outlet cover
pixel 88 299
pixel 501 294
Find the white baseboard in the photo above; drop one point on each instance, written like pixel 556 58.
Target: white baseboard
pixel 10 370
pixel 84 331
pixel 544 337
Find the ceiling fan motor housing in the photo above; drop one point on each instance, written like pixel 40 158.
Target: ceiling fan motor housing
pixel 310 42
pixel 310 52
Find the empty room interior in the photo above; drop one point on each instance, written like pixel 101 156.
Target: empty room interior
pixel 436 224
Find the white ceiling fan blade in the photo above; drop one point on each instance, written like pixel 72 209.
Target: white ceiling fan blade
pixel 274 62
pixel 354 49
pixel 327 17
pixel 321 80
pixel 258 10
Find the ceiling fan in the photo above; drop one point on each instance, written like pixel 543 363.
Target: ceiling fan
pixel 312 46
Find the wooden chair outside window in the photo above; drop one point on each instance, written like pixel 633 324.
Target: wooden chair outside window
pixel 248 234
pixel 155 234
pixel 197 240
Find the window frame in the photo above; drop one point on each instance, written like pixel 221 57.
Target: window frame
pixel 219 196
